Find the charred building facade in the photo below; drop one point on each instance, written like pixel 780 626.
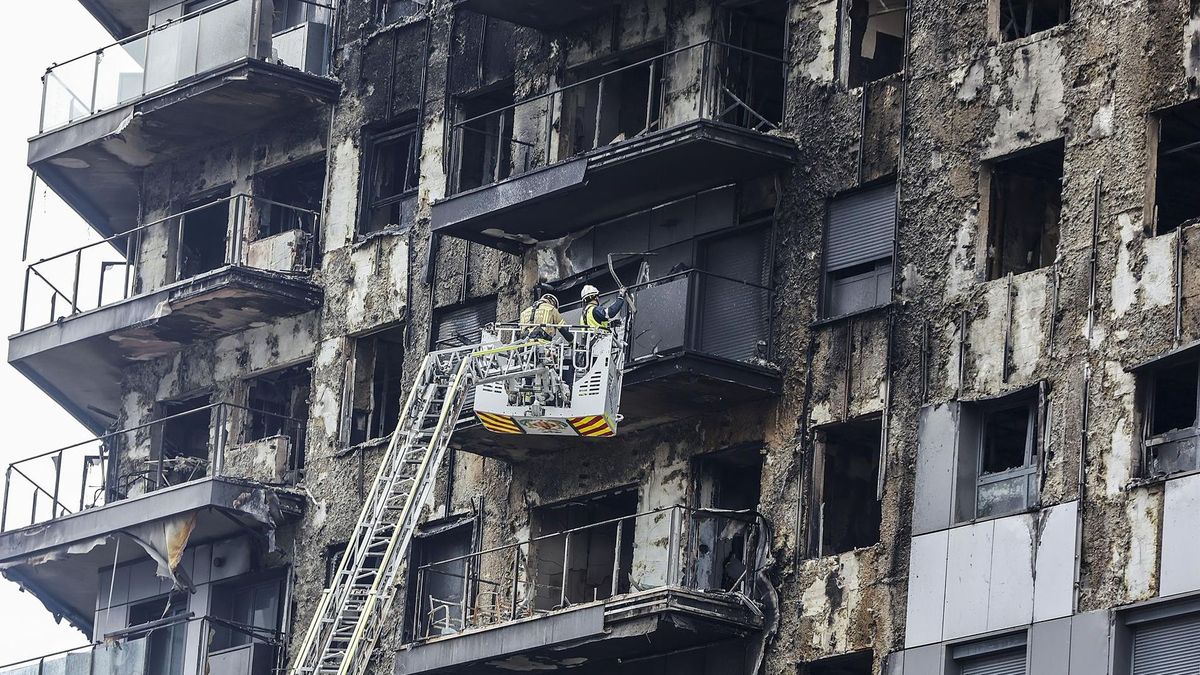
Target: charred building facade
pixel 912 386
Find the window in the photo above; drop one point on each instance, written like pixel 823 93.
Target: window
pixel 377 384
pixel 485 139
pixel 287 194
pixel 1171 394
pixel 278 403
pixel 1176 202
pixel 875 43
pixel 253 605
pixel 290 13
pixel 846 510
pixel 1165 640
pixel 998 656
pixel 998 456
pixel 461 325
pixel 593 554
pixel 332 555
pixel 436 592
pixel 861 663
pixel 619 102
pixel 1025 201
pixel 1022 18
pixel 728 481
pixel 183 440
pixel 757 30
pixel 858 251
pixel 393 159
pixel 203 237
pixel 391 11
pixel 166 644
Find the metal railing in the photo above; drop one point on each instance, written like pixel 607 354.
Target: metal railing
pixel 177 50
pixel 174 449
pixel 108 271
pixel 129 651
pixel 709 80
pixel 705 550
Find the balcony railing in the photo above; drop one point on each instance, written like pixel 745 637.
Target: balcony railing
pixel 107 271
pixel 671 547
pixel 178 50
pixel 221 439
pixel 706 81
pixel 132 651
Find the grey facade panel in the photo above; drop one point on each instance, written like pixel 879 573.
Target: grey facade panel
pixel 935 468
pixel 924 661
pixel 861 228
pixel 1089 643
pixel 1180 546
pixel 1050 647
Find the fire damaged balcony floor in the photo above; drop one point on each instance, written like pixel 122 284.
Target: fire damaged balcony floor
pixel 540 14
pixel 608 182
pixel 597 635
pixel 102 341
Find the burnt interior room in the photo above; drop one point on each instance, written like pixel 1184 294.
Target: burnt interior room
pixel 845 476
pixel 377 387
pixel 300 185
pixel 1176 201
pixel 184 440
pixel 204 235
pixel 1022 18
pixel 485 139
pixel 592 554
pixel 1025 208
pixel 876 39
pixel 278 403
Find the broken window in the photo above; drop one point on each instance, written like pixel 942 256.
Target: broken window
pixel 998 456
pixel 278 403
pixel 287 194
pixel 875 42
pixel 1171 397
pixel 203 236
pixel 462 325
pixel 861 663
pixel 1176 202
pixel 617 98
pixel 751 67
pixel 592 554
pixel 484 142
pixel 1005 655
pixel 393 159
pixel 1023 215
pixel 1022 18
pixel 846 510
pixel 391 11
pixel 376 388
pixel 183 441
pixel 166 645
pixel 858 251
pixel 725 481
pixel 439 579
pixel 253 604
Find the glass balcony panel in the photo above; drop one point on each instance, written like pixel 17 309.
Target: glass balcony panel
pixel 121 76
pixel 68 91
pixel 223 35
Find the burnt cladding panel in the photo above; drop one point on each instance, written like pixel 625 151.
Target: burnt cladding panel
pixel 482 54
pixel 410 64
pixel 861 228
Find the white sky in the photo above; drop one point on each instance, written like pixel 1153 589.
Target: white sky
pixel 34 34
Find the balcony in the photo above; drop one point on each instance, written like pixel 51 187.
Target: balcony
pixel 71 512
pixel 678 123
pixel 546 15
pixel 193 81
pixel 698 343
pixel 591 597
pixel 138 651
pixel 208 271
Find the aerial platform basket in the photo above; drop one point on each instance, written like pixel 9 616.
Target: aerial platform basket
pixel 571 389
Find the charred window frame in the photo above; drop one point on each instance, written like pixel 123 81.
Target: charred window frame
pixel 1000 455
pixel 184 443
pixel 300 185
pixel 728 480
pixel 1170 393
pixel 1024 209
pixel 622 100
pixel 859 239
pixel 483 144
pixel 846 511
pixel 255 601
pixel 277 404
pixel 391 181
pixel 374 388
pixel 462 324
pixel 1176 137
pixel 1016 19
pixel 436 596
pixel 391 11
pixel 873 40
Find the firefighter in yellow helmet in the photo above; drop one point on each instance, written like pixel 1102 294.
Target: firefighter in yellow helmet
pixel 594 314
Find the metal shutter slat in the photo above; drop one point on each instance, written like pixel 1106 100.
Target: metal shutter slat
pixel 1003 663
pixel 1170 647
pixel 734 316
pixel 860 228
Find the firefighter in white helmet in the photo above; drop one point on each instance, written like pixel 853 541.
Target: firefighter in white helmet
pixel 543 318
pixel 594 314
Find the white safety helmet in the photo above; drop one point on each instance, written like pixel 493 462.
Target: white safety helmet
pixel 589 291
pixel 550 298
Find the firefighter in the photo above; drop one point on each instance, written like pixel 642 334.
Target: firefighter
pixel 594 314
pixel 543 317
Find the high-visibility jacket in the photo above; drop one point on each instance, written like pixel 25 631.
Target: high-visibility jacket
pixel 589 318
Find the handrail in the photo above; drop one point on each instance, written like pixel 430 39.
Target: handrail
pixel 668 278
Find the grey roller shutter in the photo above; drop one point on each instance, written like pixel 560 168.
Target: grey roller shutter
pixel 734 315
pixel 861 227
pixel 1010 662
pixel 463 326
pixel 1169 647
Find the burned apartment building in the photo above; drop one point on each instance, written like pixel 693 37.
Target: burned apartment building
pixel 911 387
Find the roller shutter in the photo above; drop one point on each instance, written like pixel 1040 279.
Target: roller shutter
pixel 735 315
pixel 1167 647
pixel 1011 662
pixel 861 227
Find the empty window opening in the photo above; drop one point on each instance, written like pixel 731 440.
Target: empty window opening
pixel 619 98
pixel 391 11
pixel 727 481
pixel 858 251
pixel 254 605
pixel 756 30
pixel 1022 18
pixel 998 456
pixel 1171 402
pixel 290 197
pixel 439 581
pixel 166 645
pixel 1026 202
pixel 861 663
pixel 278 403
pixel 377 385
pixel 184 439
pixel 586 573
pixel 204 236
pixel 1176 201
pixel 462 325
pixel 393 160
pixel 485 140
pixel 845 483
pixel 876 40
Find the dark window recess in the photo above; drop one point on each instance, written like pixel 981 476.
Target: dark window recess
pixel 756 28
pixel 876 40
pixel 729 480
pixel 278 403
pixel 998 457
pixel 333 558
pixel 461 325
pixel 393 159
pixel 301 186
pixel 166 645
pixel 484 152
pixel 1022 18
pixel 858 251
pixel 203 237
pixel 184 439
pixel 1170 416
pixel 1176 201
pixel 593 553
pixel 723 657
pixel 1026 202
pixel 852 664
pixel 254 605
pixel 291 13
pixel 845 478
pixel 620 103
pixel 377 387
pixel 394 10
pixel 435 593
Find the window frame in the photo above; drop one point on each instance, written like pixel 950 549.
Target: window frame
pixel 817 498
pixel 996 10
pixel 993 217
pixel 825 282
pixel 1029 465
pixel 373 142
pixel 964 651
pixel 1151 442
pixel 351 378
pixel 969 442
